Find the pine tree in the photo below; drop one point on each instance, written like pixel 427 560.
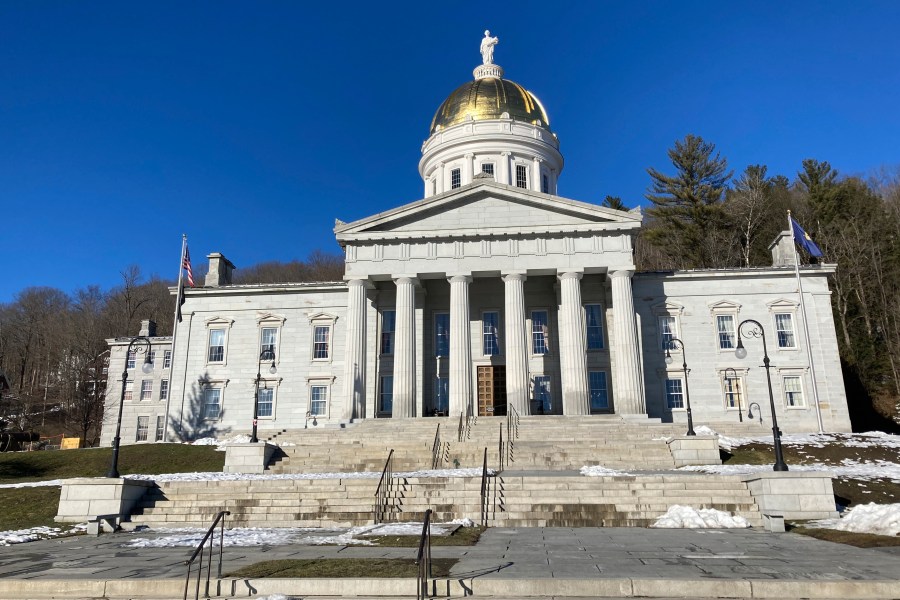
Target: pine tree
pixel 614 202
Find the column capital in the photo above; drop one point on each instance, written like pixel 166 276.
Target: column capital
pixel 621 273
pixel 469 155
pixel 406 280
pixel 360 282
pixel 505 153
pixel 570 275
pixel 513 277
pixel 538 159
pixel 462 278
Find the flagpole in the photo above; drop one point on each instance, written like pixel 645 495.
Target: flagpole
pixel 178 296
pixel 812 368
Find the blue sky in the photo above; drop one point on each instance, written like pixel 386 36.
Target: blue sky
pixel 252 126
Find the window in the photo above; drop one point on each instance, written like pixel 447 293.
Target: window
pixel 267 339
pixel 386 394
pixel 442 334
pixel 455 179
pixel 167 359
pixel 442 395
pixel 160 428
pixel 130 361
pixel 521 176
pixel 545 184
pixel 784 328
pixel 539 332
pixel 725 329
pixel 318 399
pixel 265 402
pixel 487 168
pixel 490 323
pixel 212 403
pixel 674 393
pixel 734 392
pixel 388 326
pixel 216 346
pixel 667 331
pixel 793 391
pixel 321 346
pixel 143 429
pixel 598 389
pixel 164 389
pixel 593 319
pixel 128 392
pixel 147 389
pixel 542 399
pixel 153 359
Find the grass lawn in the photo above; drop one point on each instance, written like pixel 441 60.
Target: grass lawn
pixel 464 536
pixel 16 467
pixel 342 567
pixel 860 540
pixel 28 507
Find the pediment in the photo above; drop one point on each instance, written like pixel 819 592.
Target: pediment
pixel 488 208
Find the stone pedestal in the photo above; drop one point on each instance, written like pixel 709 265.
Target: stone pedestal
pixel 248 458
pixel 86 498
pixel 695 450
pixel 793 495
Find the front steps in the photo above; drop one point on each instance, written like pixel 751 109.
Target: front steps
pixel 514 500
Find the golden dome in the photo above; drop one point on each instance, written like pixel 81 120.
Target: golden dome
pixel 490 98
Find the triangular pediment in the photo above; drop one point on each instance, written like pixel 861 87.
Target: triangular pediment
pixel 488 208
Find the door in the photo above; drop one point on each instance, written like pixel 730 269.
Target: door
pixel 492 391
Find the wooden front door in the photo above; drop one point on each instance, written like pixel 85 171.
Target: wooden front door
pixel 492 391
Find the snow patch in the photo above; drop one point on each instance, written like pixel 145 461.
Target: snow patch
pixel 848 468
pixel 20 536
pixel 879 519
pixel 687 517
pixel 599 471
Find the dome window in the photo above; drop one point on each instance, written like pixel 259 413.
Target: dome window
pixel 455 179
pixel 522 176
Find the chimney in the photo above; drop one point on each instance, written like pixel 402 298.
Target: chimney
pixel 148 328
pixel 782 250
pixel 220 270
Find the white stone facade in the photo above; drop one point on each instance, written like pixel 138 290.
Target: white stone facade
pixel 489 293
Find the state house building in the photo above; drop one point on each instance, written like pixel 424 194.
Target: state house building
pixel 490 292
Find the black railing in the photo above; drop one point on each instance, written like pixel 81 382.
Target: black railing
pixel 512 423
pixel 423 559
pixel 484 490
pixel 436 449
pixel 383 491
pixel 198 551
pixel 501 449
pixel 460 431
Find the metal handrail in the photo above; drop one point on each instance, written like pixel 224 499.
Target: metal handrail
pixel 198 551
pixel 436 448
pixel 459 433
pixel 484 490
pixel 501 449
pixel 512 418
pixel 382 492
pixel 423 559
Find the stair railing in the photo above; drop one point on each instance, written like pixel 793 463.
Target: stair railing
pixel 436 448
pixel 512 422
pixel 484 490
pixel 460 432
pixel 198 551
pixel 423 559
pixel 501 449
pixel 383 491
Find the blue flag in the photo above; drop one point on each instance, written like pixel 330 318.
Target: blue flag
pixel 802 238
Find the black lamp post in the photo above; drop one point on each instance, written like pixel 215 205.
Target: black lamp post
pixel 750 411
pixel 756 330
pixel 731 379
pixel 677 344
pixel 147 367
pixel 266 354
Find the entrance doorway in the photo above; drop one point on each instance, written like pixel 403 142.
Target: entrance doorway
pixel 492 391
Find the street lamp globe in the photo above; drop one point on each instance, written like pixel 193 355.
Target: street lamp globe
pixel 147 367
pixel 272 369
pixel 740 351
pixel 668 359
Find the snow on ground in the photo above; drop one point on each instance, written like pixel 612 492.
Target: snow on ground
pixel 687 517
pixel 211 441
pixel 880 519
pixel 303 536
pixel 8 538
pixel 598 471
pixel 848 468
pixel 816 440
pixel 27 484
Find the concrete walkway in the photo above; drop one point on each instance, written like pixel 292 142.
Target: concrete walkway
pixel 535 562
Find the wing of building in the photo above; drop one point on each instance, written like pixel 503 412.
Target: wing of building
pixel 489 293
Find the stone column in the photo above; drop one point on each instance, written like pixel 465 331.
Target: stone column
pixel 355 352
pixel 505 176
pixel 536 174
pixel 573 363
pixel 439 179
pixel 627 382
pixel 460 347
pixel 516 343
pixel 469 173
pixel 405 349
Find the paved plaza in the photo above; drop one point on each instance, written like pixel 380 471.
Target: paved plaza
pixel 647 562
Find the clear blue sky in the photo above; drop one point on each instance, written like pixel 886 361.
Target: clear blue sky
pixel 251 126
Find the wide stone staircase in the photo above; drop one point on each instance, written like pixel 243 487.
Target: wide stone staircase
pixel 538 484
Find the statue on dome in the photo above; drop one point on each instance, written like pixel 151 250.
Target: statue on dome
pixel 487 48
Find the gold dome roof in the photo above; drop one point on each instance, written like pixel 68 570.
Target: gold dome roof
pixel 489 98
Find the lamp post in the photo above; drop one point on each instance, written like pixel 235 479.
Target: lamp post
pixel 266 354
pixel 730 390
pixel 147 367
pixel 750 411
pixel 677 344
pixel 756 330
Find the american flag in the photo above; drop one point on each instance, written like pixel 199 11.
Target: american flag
pixel 186 264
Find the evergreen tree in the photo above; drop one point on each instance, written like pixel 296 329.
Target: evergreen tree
pixel 614 202
pixel 688 205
